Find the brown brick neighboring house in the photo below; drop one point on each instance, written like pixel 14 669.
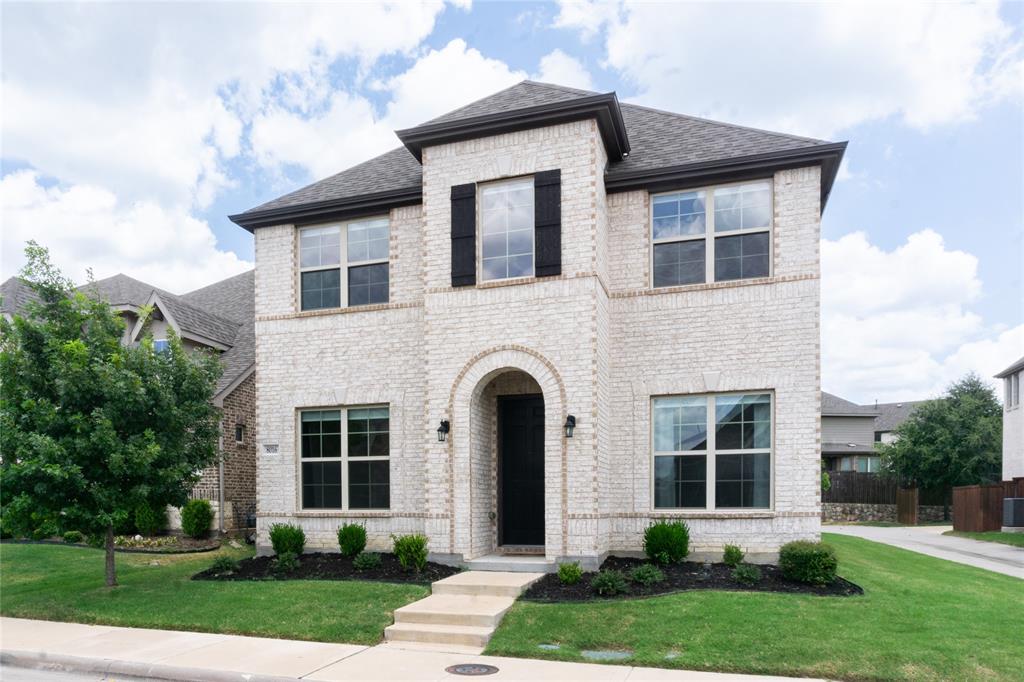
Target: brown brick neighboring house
pixel 219 316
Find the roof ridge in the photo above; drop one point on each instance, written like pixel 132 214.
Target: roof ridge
pixel 726 124
pixel 179 300
pixel 525 81
pixel 218 282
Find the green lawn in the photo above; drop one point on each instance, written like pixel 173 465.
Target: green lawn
pixel 51 582
pixel 1015 539
pixel 920 618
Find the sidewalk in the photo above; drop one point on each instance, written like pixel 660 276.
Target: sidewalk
pixel 992 556
pixel 169 655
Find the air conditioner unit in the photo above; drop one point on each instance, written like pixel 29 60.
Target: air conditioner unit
pixel 1013 514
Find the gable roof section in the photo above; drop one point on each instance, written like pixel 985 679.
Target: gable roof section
pixel 15 293
pixel 657 150
pixel 891 415
pixel 834 406
pixel 232 298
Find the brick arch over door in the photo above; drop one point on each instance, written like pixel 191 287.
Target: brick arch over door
pixel 466 389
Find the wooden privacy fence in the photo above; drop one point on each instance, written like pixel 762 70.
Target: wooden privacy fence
pixel 854 487
pixel 978 508
pixel 906 506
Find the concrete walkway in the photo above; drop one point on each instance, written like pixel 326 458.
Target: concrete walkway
pixel 169 655
pixel 991 556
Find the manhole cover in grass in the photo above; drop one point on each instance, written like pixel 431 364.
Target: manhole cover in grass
pixel 471 669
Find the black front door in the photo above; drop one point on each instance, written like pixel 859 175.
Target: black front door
pixel 521 485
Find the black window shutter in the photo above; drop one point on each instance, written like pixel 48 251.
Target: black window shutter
pixel 547 222
pixel 463 235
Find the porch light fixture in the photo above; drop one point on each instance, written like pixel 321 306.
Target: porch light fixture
pixel 570 424
pixel 442 431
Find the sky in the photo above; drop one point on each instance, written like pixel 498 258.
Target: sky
pixel 129 131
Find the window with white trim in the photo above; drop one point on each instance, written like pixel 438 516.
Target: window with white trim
pixel 712 451
pixel 714 234
pixel 347 469
pixel 344 265
pixel 506 225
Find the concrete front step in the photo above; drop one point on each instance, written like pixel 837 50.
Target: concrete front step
pixel 512 563
pixel 463 610
pixel 455 609
pixel 464 635
pixel 486 583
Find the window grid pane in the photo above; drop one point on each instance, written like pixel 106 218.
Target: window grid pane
pixel 368 284
pixel 368 240
pixel 680 482
pixel 506 217
pixel 743 480
pixel 743 207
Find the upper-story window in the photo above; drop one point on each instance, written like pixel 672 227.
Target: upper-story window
pixel 344 265
pixel 714 234
pixel 506 218
pixel 1012 386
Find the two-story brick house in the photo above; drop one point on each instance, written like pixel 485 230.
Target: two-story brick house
pixel 544 321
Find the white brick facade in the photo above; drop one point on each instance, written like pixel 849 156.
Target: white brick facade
pixel 596 341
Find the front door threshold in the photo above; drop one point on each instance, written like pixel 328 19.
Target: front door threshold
pixel 521 550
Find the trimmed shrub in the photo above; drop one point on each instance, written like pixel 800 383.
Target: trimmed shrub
pixel 609 583
pixel 98 541
pixel 196 517
pixel 352 539
pixel 411 551
pixel 224 564
pixel 73 537
pixel 667 542
pixel 570 573
pixel 150 519
pixel 286 562
pixel 45 531
pixel 733 556
pixel 367 561
pixel 746 574
pixel 287 539
pixel 647 575
pixel 808 562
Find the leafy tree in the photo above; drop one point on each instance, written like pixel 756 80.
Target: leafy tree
pixel 90 428
pixel 955 440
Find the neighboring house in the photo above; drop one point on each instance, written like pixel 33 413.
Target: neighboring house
pixel 848 435
pixel 546 321
pixel 1013 421
pixel 219 317
pixel 849 432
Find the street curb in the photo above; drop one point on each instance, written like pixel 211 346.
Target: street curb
pixel 109 666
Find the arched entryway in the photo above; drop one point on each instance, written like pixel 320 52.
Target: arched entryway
pixel 508 456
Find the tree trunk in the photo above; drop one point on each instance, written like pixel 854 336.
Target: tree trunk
pixel 111 571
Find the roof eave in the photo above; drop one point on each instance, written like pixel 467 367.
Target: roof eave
pixel 828 156
pixel 605 108
pixel 1012 369
pixel 333 209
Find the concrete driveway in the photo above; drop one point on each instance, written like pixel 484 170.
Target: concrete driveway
pixel 991 556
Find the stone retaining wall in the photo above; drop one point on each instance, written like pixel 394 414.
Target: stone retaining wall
pixel 846 512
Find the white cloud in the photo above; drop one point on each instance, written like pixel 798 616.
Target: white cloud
pixel 346 130
pixel 559 68
pixel 809 68
pixel 897 325
pixel 87 227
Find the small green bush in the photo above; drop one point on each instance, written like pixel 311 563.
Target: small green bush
pixel 733 556
pixel 73 537
pixel 746 574
pixel 411 551
pixel 569 573
pixel 647 575
pixel 352 539
pixel 286 562
pixel 366 561
pixel 287 538
pixel 609 583
pixel 151 519
pixel 808 562
pixel 667 542
pixel 98 541
pixel 45 531
pixel 196 517
pixel 224 564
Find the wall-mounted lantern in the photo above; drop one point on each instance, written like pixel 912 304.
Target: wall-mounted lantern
pixel 570 424
pixel 442 431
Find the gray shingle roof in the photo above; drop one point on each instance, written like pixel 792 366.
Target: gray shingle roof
pixel 658 139
pixel 834 406
pixel 891 415
pixel 232 298
pixel 15 293
pixel 121 289
pixel 847 448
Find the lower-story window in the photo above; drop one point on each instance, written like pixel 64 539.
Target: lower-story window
pixel 347 469
pixel 712 451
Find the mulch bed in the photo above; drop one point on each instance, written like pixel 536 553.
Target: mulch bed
pixel 679 578
pixel 330 566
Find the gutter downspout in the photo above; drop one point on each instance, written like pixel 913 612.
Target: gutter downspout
pixel 220 479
